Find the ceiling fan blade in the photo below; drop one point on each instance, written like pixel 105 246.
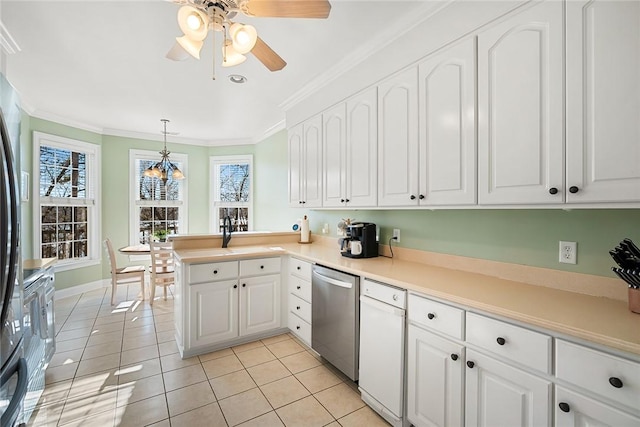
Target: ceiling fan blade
pixel 267 56
pixel 287 8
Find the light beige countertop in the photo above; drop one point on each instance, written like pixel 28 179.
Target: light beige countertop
pixel 600 320
pixel 36 264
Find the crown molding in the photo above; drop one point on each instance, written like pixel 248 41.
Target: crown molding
pixel 7 42
pixel 393 32
pixel 45 115
pixel 277 127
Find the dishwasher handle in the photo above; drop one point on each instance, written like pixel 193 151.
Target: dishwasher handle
pixel 379 305
pixel 333 281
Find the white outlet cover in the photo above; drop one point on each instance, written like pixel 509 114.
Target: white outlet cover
pixel 568 252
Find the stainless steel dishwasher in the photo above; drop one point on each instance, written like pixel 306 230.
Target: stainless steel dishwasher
pixel 335 318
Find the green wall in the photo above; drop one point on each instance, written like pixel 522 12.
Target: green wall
pixel 525 236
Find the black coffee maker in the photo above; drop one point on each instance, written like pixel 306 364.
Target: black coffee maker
pixel 360 241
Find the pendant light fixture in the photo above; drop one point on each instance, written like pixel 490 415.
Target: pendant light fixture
pixel 164 167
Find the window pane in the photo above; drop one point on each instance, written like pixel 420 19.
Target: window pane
pixel 172 214
pixel 159 213
pixel 233 182
pixel 49 251
pixel 151 188
pixel 49 214
pixel 80 214
pixel 239 218
pixel 49 234
pixel 64 214
pixel 64 250
pixel 62 173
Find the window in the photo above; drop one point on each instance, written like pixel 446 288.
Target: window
pixel 157 207
pixel 66 202
pixel 232 186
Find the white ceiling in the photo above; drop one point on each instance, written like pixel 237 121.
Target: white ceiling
pixel 101 65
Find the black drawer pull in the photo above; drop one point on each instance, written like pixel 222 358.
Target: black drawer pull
pixel 431 316
pixel 235 286
pixel 298 268
pixel 616 382
pixel 215 271
pixel 298 287
pixel 454 357
pixel 553 190
pixel 564 407
pixel 501 341
pixel 470 364
pixel 573 189
pixel 298 308
pixel 261 267
pixel 297 327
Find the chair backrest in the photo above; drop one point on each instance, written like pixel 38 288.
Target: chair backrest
pixel 161 257
pixel 112 256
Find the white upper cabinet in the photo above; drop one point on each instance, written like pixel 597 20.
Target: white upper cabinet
pixel 520 108
pixel 362 153
pixel 447 126
pixel 398 140
pixel 603 101
pixel 334 149
pixel 305 164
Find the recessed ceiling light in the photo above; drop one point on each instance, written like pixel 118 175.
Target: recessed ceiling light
pixel 237 78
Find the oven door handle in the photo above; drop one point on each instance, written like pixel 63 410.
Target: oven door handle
pixel 332 281
pixel 42 299
pixel 13 409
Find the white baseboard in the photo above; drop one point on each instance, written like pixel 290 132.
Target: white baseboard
pixel 79 289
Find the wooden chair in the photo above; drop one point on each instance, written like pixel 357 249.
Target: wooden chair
pixel 122 276
pixel 162 269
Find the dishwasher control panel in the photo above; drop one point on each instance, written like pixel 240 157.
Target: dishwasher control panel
pixel 386 293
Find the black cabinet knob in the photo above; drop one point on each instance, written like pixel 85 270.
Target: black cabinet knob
pixel 454 357
pixel 298 268
pixel 553 190
pixel 573 189
pixel 412 197
pixel 421 197
pixel 303 202
pixel 298 287
pixel 244 285
pixel 300 202
pixel 346 200
pixel 564 407
pixel 616 382
pixel 297 307
pixel 501 341
pixel 431 316
pixel 215 271
pixel 341 200
pixel 470 364
pixel 262 267
pixel 235 286
pixel 297 327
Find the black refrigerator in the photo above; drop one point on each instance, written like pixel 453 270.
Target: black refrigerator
pixel 13 366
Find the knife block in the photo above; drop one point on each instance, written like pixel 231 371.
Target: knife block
pixel 634 300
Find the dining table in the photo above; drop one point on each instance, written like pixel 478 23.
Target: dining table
pixel 142 249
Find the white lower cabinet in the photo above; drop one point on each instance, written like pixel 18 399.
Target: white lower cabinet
pixel 435 380
pixel 299 316
pixel 576 410
pixel 214 312
pixel 497 394
pixel 259 304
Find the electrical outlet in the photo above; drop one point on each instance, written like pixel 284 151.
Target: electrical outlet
pixel 568 252
pixel 396 234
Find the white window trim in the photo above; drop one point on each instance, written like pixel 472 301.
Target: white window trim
pixel 221 160
pixel 133 191
pixel 94 177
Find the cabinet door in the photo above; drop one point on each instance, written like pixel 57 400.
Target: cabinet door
pixel 178 301
pixel 334 162
pixel 520 108
pixel 447 97
pixel 603 101
pixel 296 172
pixel 497 394
pixel 398 140
pixel 435 384
pixel 259 304
pixel 312 162
pixel 214 312
pixel 362 149
pixel 575 410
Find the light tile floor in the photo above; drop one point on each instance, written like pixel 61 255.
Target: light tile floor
pixel 119 366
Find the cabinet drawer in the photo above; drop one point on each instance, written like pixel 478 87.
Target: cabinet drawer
pixel 610 376
pixel 521 345
pixel 300 268
pixel 300 288
pixel 213 271
pixel 260 266
pixel 300 328
pixel 300 307
pixel 436 316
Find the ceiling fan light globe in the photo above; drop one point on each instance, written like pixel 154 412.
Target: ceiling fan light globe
pixel 244 37
pixel 193 22
pixel 192 47
pixel 230 57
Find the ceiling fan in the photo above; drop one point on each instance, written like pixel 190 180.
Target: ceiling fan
pixel 197 17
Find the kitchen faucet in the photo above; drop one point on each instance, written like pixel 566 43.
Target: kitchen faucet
pixel 226 225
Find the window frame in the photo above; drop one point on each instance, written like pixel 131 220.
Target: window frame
pixel 183 204
pixel 214 204
pixel 93 161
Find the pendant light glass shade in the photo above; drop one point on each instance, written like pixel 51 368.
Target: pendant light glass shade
pixel 230 57
pixel 193 22
pixel 244 37
pixel 192 47
pixel 177 53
